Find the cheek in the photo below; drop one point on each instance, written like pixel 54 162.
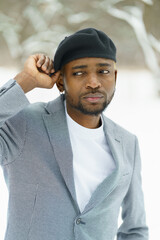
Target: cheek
pixel 109 85
pixel 71 92
pixel 72 87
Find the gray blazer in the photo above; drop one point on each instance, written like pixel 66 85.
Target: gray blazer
pixel 36 157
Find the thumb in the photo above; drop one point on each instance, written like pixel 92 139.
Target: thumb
pixel 47 81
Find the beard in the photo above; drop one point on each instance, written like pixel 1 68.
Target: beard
pixel 95 109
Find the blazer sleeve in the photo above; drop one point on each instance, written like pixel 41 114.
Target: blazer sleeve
pixel 133 211
pixel 12 125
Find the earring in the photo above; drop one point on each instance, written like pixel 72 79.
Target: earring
pixel 61 93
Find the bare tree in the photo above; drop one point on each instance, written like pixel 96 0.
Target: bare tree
pixel 133 15
pixel 41 25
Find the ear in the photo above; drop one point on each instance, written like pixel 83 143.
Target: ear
pixel 59 83
pixel 115 74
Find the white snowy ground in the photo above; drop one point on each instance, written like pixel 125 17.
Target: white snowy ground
pixel 136 108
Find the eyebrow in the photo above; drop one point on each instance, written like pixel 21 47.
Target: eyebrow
pixel 80 66
pixel 98 64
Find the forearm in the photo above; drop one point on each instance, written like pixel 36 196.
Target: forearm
pixel 12 100
pixel 36 73
pixel 25 81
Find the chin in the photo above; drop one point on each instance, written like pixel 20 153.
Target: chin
pixel 94 111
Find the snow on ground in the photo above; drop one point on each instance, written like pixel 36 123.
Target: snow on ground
pixel 134 107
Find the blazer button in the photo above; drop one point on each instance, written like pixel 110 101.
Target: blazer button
pixel 78 221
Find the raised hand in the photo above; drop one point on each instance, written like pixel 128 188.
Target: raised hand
pixel 37 72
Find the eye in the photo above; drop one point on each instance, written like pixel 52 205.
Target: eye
pixel 104 71
pixel 78 73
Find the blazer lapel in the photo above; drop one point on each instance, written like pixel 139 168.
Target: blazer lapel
pixel 109 183
pixel 56 126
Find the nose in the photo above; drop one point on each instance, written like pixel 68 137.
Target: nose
pixel 93 81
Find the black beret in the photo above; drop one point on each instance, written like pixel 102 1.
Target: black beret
pixel 87 42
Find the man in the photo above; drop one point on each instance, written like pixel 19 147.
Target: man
pixel 68 168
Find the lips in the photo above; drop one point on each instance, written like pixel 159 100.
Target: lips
pixel 93 97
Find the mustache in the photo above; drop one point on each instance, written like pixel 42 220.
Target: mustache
pixel 93 91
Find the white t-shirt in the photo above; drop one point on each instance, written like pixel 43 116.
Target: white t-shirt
pixel 92 159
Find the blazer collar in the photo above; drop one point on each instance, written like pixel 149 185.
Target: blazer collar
pixel 110 183
pixel 56 125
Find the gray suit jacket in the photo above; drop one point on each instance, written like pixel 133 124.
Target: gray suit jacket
pixel 36 156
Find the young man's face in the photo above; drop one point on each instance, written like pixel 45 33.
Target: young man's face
pixel 89 84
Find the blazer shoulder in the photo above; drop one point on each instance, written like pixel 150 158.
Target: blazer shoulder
pixel 118 129
pixel 38 107
pixel 45 107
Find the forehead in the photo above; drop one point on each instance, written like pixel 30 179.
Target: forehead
pixel 90 61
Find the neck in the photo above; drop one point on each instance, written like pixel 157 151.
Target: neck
pixel 88 121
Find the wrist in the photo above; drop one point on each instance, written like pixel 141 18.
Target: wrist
pixel 25 81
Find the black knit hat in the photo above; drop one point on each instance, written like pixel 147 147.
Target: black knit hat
pixel 87 42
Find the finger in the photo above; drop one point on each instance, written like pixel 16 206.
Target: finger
pixel 45 81
pixel 45 66
pixel 55 76
pixel 52 72
pixel 41 60
pixel 50 67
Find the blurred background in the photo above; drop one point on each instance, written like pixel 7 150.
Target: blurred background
pixel 32 26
